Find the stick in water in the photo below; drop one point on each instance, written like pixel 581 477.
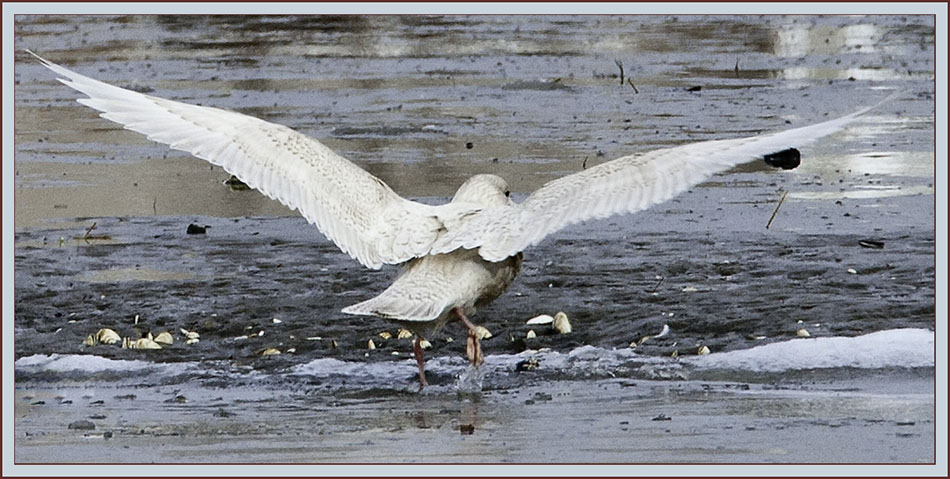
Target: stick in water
pixel 779 205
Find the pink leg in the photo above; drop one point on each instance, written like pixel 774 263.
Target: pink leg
pixel 417 348
pixel 473 349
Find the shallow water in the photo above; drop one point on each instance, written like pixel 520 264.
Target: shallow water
pixel 424 102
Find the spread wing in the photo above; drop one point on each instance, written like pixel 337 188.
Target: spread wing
pixel 624 185
pixel 353 208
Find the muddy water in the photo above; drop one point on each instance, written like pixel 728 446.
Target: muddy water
pixel 425 102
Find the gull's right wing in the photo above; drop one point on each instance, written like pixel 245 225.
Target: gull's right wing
pixel 625 185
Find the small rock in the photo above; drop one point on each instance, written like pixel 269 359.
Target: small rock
pixel 467 429
pixel 802 333
pixel 164 338
pixel 561 323
pixel 541 319
pixel 482 332
pixel 194 229
pixel 662 417
pixel 108 336
pixel 141 343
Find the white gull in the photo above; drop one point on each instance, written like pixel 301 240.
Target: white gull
pixel 457 256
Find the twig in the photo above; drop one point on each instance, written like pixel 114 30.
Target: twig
pixel 657 285
pixel 779 205
pixel 633 86
pixel 89 230
pixel 620 66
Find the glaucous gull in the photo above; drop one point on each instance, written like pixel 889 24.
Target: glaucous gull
pixel 455 257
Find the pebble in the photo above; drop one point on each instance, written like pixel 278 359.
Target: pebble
pixel 482 332
pixel 541 319
pixel 108 336
pixel 561 324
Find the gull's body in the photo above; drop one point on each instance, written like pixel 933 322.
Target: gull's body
pixel 456 257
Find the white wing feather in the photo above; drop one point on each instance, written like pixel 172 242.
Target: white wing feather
pixel 370 222
pixel 625 185
pixel 356 210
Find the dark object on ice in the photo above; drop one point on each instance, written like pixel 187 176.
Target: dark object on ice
pixel 194 229
pixel 785 159
pixel 529 364
pixel 467 429
pixel 873 244
pixel 235 184
pixel 694 88
pixel 662 417
pixel 82 425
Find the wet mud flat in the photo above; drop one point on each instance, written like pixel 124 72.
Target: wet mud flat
pixel 328 398
pixel 250 284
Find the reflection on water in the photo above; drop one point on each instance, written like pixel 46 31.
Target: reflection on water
pixel 890 163
pixel 863 193
pixel 796 40
pixel 851 74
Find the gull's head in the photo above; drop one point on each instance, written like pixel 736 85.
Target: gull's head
pixel 488 190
